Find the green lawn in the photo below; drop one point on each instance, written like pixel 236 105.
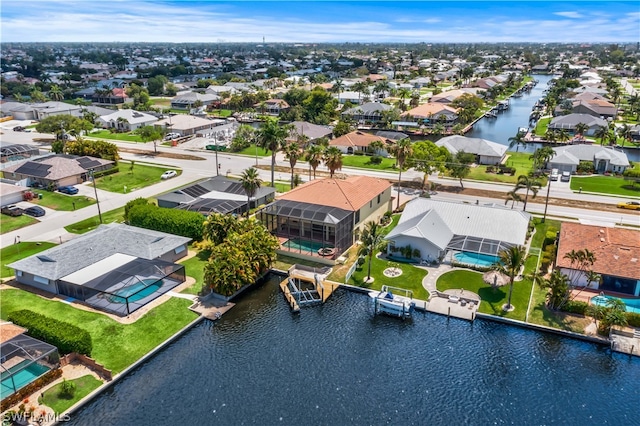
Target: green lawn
pixel 194 267
pixel 492 299
pixel 92 223
pixel 541 126
pixel 143 175
pixel 60 403
pixel 115 345
pixel 520 160
pixel 411 278
pixel 19 251
pixel 64 202
pixel 612 185
pixel 363 162
pixel 540 314
pixel 11 223
pixel 251 151
pixel 222 113
pixel 282 187
pixel 105 134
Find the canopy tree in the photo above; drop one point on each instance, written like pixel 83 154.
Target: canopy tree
pixel 460 166
pixel 63 123
pixel 150 133
pixel 428 158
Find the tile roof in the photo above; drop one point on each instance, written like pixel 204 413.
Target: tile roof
pixel 617 250
pixel 9 330
pixel 347 194
pixel 430 109
pixel 358 139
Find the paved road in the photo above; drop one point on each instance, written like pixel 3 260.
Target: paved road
pixel 52 226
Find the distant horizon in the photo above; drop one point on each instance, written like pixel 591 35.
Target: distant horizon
pixel 320 22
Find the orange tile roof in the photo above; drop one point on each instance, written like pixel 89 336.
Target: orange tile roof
pixel 429 109
pixel 617 251
pixel 357 139
pixel 347 194
pixel 9 330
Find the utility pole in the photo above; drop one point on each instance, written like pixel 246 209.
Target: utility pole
pixel 546 201
pixel 96 192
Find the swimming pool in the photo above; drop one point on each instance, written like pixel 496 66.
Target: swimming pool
pixel 137 291
pixel 476 259
pixel 22 378
pixel 304 246
pixel 633 305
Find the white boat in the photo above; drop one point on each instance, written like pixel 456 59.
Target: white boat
pixel 390 303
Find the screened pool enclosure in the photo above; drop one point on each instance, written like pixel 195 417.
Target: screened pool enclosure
pixel 23 360
pixel 468 244
pixel 122 284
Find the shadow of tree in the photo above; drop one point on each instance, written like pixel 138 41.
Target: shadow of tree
pixel 494 297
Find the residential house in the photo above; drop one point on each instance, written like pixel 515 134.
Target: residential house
pixel 55 170
pixel 616 252
pixel 326 214
pixel 116 96
pixel 570 121
pixel 431 114
pixel 218 194
pixel 351 97
pixel 604 159
pixel 367 113
pixel 360 142
pixel 310 132
pixel 116 268
pixel 10 193
pixel 187 100
pixel 47 109
pixel 186 125
pixel 272 106
pixel 17 152
pixel 434 228
pixel 596 107
pixel 486 152
pixel 126 120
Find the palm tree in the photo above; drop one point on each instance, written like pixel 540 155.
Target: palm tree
pixel 372 241
pixel 581 129
pixel 403 150
pixel 530 184
pixel 313 156
pixel 55 93
pixel 624 132
pixel 517 140
pixel 270 137
pixel 563 135
pixel 550 135
pixel 292 152
pixel 511 261
pixel 332 159
pixel 360 87
pixel 376 146
pixel 602 133
pixel 250 180
pixel 512 196
pixel 338 86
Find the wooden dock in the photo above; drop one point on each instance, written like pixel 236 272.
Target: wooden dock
pixel 306 287
pixel 293 304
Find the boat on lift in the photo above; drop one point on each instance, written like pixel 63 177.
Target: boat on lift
pixel 397 303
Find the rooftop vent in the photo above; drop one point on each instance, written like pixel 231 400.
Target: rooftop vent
pixel 44 258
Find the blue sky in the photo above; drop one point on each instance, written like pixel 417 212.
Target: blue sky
pixel 319 21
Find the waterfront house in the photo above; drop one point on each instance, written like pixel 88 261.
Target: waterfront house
pixel 310 132
pixel 616 252
pixel 187 100
pixel 186 125
pixel 116 268
pixel 359 142
pixel 486 152
pixel 272 106
pixel 367 113
pixel 434 228
pixel 126 120
pixel 570 121
pixel 432 114
pixel 326 214
pixel 218 194
pixel 604 159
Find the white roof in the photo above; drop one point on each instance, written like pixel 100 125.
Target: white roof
pixel 490 222
pixel 573 154
pixel 98 269
pixel 456 143
pixel 132 116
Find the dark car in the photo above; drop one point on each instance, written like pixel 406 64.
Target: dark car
pixel 12 210
pixel 35 211
pixel 71 190
pixel 18 129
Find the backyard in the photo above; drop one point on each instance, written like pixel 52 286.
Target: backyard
pixel 115 345
pixel 19 251
pixel 132 177
pixel 612 185
pixel 59 402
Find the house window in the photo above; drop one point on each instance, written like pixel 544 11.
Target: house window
pixel 41 280
pixel 18 273
pixel 379 198
pixel 179 249
pixel 357 218
pixel 370 203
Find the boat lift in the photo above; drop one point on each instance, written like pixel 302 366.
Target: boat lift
pixel 393 301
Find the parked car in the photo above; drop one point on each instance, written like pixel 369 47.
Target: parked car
pixel 18 129
pixel 169 136
pixel 12 210
pixel 630 205
pixel 35 211
pixel 36 185
pixel 554 175
pixel 70 190
pixel 565 177
pixel 169 174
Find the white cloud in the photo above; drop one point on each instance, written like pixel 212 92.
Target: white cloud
pixel 573 15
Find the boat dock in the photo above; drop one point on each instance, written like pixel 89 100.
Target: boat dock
pixel 461 304
pixel 305 286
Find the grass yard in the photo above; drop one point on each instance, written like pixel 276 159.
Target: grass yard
pixel 194 268
pixel 520 160
pixel 541 126
pixel 492 299
pixel 611 185
pixel 60 403
pixel 143 175
pixel 364 162
pixel 224 113
pixel 63 202
pixel 540 314
pixel 281 186
pixel 115 345
pixel 411 278
pixel 19 251
pixel 92 223
pixel 125 137
pixel 251 151
pixel 11 223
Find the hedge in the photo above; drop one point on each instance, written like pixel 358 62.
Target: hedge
pixel 633 319
pixel 31 388
pixel 575 307
pixel 106 172
pixel 172 221
pixel 66 337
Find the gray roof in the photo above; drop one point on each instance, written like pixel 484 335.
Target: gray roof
pixel 368 108
pixel 192 97
pixel 495 223
pixel 390 134
pixel 217 187
pixel 477 146
pixel 310 130
pixel 97 245
pixel 573 154
pixel 571 120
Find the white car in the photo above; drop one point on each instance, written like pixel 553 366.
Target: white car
pixel 169 174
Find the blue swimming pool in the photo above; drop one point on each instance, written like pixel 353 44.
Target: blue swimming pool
pixel 21 378
pixel 633 305
pixel 476 259
pixel 137 291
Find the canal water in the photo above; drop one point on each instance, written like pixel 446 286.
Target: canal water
pixel 337 364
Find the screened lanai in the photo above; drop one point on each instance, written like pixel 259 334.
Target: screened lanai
pixel 207 206
pixel 121 283
pixel 309 228
pixel 23 360
pixel 469 244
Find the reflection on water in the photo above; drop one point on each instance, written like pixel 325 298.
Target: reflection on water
pixel 337 364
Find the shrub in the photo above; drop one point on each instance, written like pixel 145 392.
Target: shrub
pixel 575 307
pixel 358 153
pixel 633 319
pixel 376 159
pixel 66 337
pixel 178 222
pixel 549 238
pixel 131 204
pixel 67 388
pixel 107 172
